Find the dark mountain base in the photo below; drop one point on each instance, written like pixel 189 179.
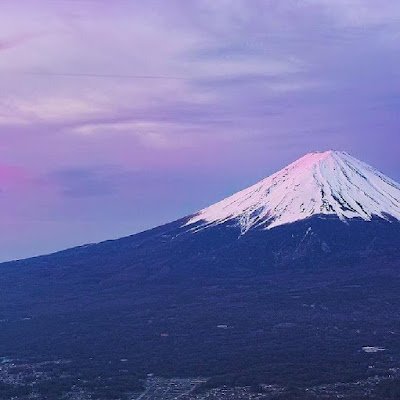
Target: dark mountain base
pixel 293 306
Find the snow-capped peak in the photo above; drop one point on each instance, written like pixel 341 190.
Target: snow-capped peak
pixel 330 183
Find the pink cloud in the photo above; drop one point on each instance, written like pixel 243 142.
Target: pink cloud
pixel 11 175
pixel 15 41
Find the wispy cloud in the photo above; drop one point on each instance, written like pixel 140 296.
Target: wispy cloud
pixel 16 40
pixel 83 182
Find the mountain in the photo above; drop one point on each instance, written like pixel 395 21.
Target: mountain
pixel 320 183
pixel 282 283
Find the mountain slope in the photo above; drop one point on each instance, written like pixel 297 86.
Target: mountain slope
pixel 327 183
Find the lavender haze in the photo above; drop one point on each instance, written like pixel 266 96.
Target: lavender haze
pixel 116 116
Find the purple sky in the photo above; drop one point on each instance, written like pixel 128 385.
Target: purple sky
pixel 116 116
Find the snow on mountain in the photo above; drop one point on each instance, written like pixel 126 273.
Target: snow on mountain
pixel 330 183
